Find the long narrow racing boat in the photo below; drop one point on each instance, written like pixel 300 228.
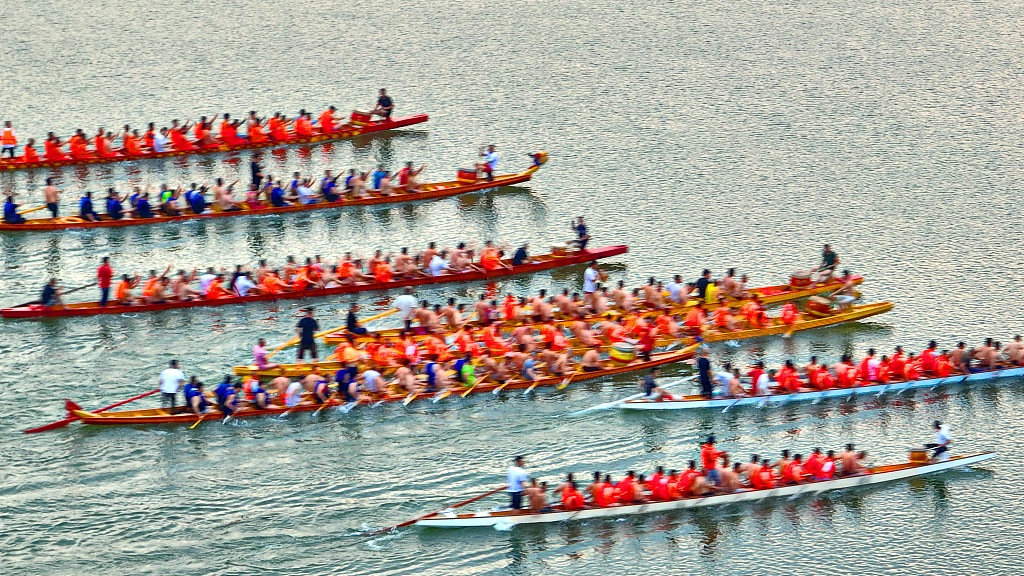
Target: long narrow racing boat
pixel 695 402
pixel 543 262
pixel 349 129
pixel 151 416
pixel 431 191
pixel 769 295
pixel 876 475
pixel 803 322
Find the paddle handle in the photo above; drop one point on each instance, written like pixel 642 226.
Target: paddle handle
pixel 432 514
pixel 31 210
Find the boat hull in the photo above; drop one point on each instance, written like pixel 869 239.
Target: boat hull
pixel 434 191
pixel 158 416
pixel 806 322
pixel 545 262
pixel 881 475
pixel 694 403
pixel 343 132
pixel 770 295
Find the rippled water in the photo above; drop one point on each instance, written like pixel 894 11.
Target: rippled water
pixel 700 134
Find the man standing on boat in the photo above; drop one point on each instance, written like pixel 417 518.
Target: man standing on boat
pixel 406 304
pixel 704 374
pixel 490 163
pixel 306 329
pixel 829 262
pixel 104 274
pixel 171 380
pixel 517 479
pixel 943 439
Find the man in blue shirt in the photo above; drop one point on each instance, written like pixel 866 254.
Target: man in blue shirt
pixel 11 215
pixel 379 175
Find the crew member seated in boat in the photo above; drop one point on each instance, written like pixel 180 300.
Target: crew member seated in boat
pixel 328 185
pixel 829 262
pixel 227 394
pixel 142 207
pixel 490 162
pixel 852 461
pixel 943 440
pixel 51 294
pixel 385 105
pixel 846 295
pixel 11 215
pixel 195 397
pixel 537 495
pixel 571 498
pixel 85 209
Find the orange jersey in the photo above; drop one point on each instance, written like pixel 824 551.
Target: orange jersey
pixel 694 318
pixel 30 155
pixel 216 291
pixel 327 121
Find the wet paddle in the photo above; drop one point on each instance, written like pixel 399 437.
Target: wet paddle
pixel 72 418
pixel 197 423
pixel 568 379
pixel 435 513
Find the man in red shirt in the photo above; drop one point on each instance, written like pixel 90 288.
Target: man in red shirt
pixel 103 275
pixel 709 456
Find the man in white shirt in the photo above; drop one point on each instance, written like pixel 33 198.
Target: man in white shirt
pixel 943 440
pixel 171 380
pixel 517 480
pixel 161 141
pixel 206 279
pixel 490 163
pixel 306 194
pixel 676 290
pixel 406 304
pixel 438 264
pixel 590 277
pixel 243 284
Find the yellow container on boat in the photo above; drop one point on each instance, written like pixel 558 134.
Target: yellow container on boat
pixel 918 456
pixel 622 353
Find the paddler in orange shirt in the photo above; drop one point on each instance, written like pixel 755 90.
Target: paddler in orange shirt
pixel 723 317
pixel 203 132
pixel 304 125
pixel 256 133
pixel 327 120
pixel 123 292
pixel 696 317
pixel 490 259
pixel 130 144
pixel 277 128
pixel 52 149
pixel 149 136
pixel 273 284
pixel 179 137
pixel 29 154
pixel 666 324
pixel 229 132
pixel 753 312
pixel 216 290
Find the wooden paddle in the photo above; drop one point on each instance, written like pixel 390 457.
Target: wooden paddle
pixel 432 514
pixel 31 210
pixel 197 423
pixel 568 379
pixel 296 340
pixel 72 418
pixel 326 402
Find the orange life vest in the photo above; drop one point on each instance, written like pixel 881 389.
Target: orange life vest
pixel 7 137
pixel 30 154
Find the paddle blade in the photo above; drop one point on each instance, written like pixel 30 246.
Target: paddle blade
pixel 408 399
pixel 71 406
